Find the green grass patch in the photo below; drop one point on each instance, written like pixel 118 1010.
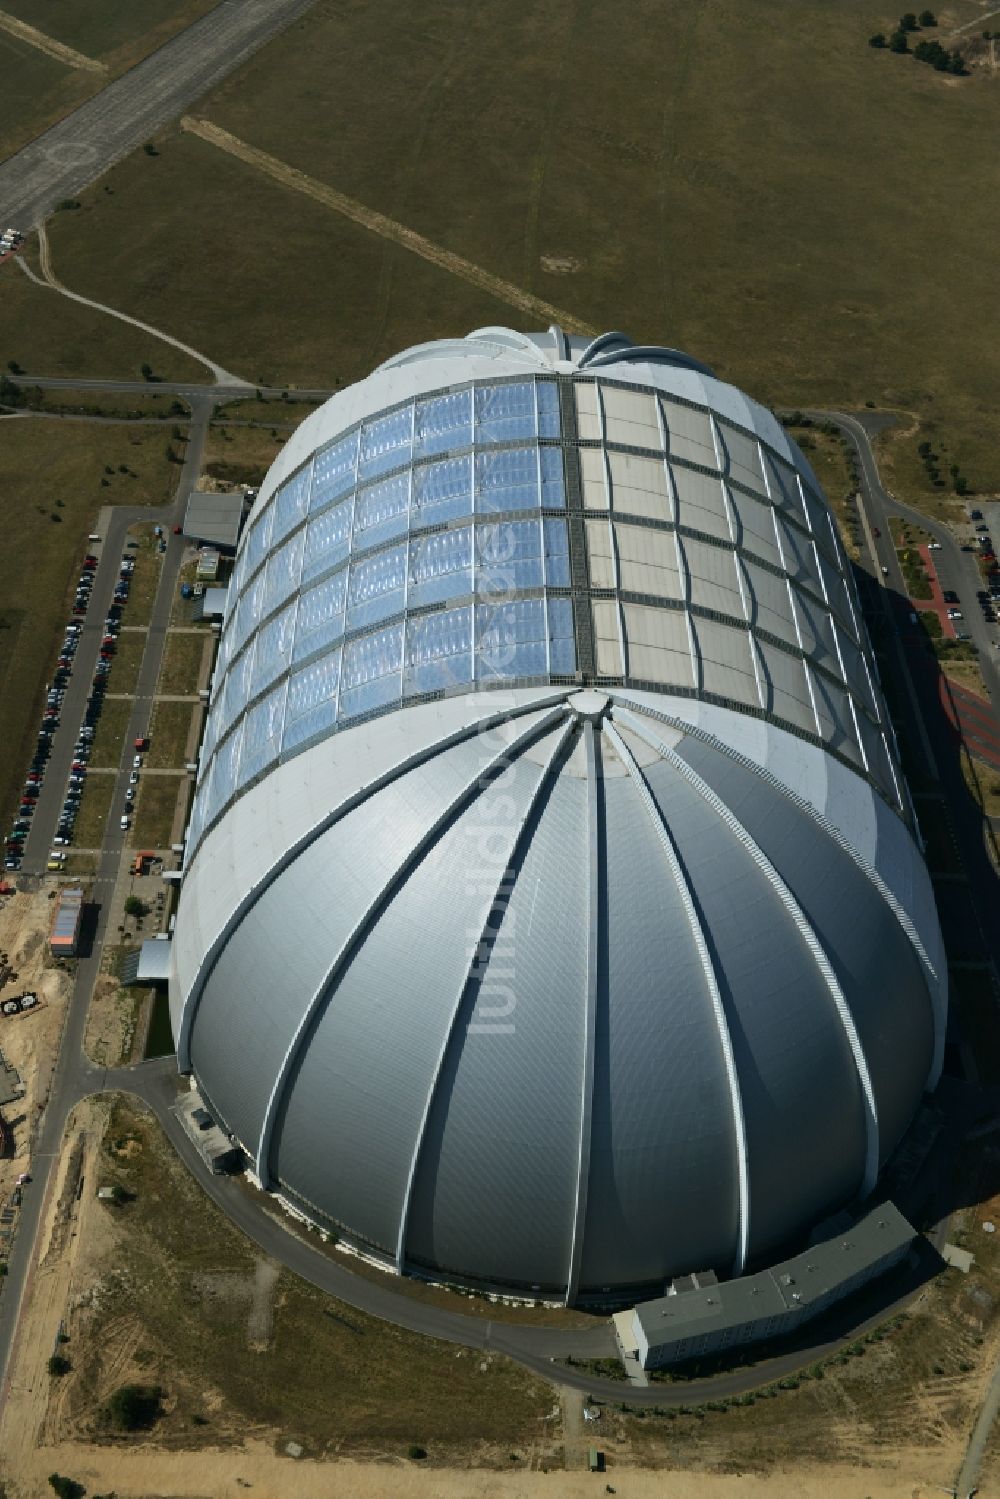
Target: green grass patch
pixel 46 334
pixel 53 468
pixel 145 576
pixel 109 740
pixel 154 810
pixel 95 809
pixel 101 29
pixel 127 659
pixel 918 584
pixel 242 455
pixel 168 734
pixel 274 412
pixel 182 658
pixel 131 407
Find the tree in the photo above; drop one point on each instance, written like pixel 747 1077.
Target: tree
pixel 416 1452
pixel 908 21
pixel 135 907
pixel 898 42
pixel 133 1407
pixel 14 367
pixel 878 40
pixel 961 484
pixel 66 1488
pixel 150 149
pixel 59 1364
pixel 927 18
pixel 956 64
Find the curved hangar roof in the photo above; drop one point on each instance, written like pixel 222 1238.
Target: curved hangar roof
pixel 551 916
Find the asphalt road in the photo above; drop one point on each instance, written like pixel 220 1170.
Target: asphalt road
pixel 65 159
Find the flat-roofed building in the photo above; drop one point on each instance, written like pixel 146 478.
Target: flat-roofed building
pixel 697 1320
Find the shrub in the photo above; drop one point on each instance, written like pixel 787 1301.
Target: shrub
pixel 66 1488
pixel 134 1407
pixel 898 42
pixel 878 40
pixel 417 1452
pixel 59 1364
pixel 908 21
pixel 927 18
pixel 150 149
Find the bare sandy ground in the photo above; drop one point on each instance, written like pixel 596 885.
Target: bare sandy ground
pixel 257 1469
pixel 29 1041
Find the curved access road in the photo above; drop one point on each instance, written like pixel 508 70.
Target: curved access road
pixel 71 155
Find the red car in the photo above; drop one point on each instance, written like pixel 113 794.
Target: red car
pixel 177 530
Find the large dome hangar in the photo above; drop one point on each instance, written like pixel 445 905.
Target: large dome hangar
pixel 552 916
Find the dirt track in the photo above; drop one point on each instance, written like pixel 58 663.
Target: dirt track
pixel 377 223
pixel 216 1475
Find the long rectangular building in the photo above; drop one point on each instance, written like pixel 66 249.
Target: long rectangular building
pixel 706 1319
pixel 65 933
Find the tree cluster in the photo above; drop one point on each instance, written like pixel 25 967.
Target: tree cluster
pixel 939 57
pixel 933 53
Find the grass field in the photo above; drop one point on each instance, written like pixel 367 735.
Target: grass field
pixel 181 663
pixel 36 90
pixel 145 576
pixel 154 811
pixel 242 455
pixel 127 660
pixel 95 809
pixel 274 413
pixel 49 335
pixel 178 1300
pixel 63 401
pixel 168 732
pixel 810 246
pixel 109 739
pixel 54 468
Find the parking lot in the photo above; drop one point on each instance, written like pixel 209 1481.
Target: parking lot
pixel 57 777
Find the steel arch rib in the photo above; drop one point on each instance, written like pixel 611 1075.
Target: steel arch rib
pixel 938 1012
pixel 712 982
pixel 486 928
pixel 375 907
pixel 803 926
pixel 190 1007
pixel 590 1025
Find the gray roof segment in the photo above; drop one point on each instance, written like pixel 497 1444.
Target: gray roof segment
pixel 215 518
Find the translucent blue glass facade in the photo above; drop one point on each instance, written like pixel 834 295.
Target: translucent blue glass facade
pixel 436 507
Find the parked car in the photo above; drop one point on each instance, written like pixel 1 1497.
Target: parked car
pixel 124 823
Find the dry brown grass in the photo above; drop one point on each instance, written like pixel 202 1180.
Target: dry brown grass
pixel 242 1348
